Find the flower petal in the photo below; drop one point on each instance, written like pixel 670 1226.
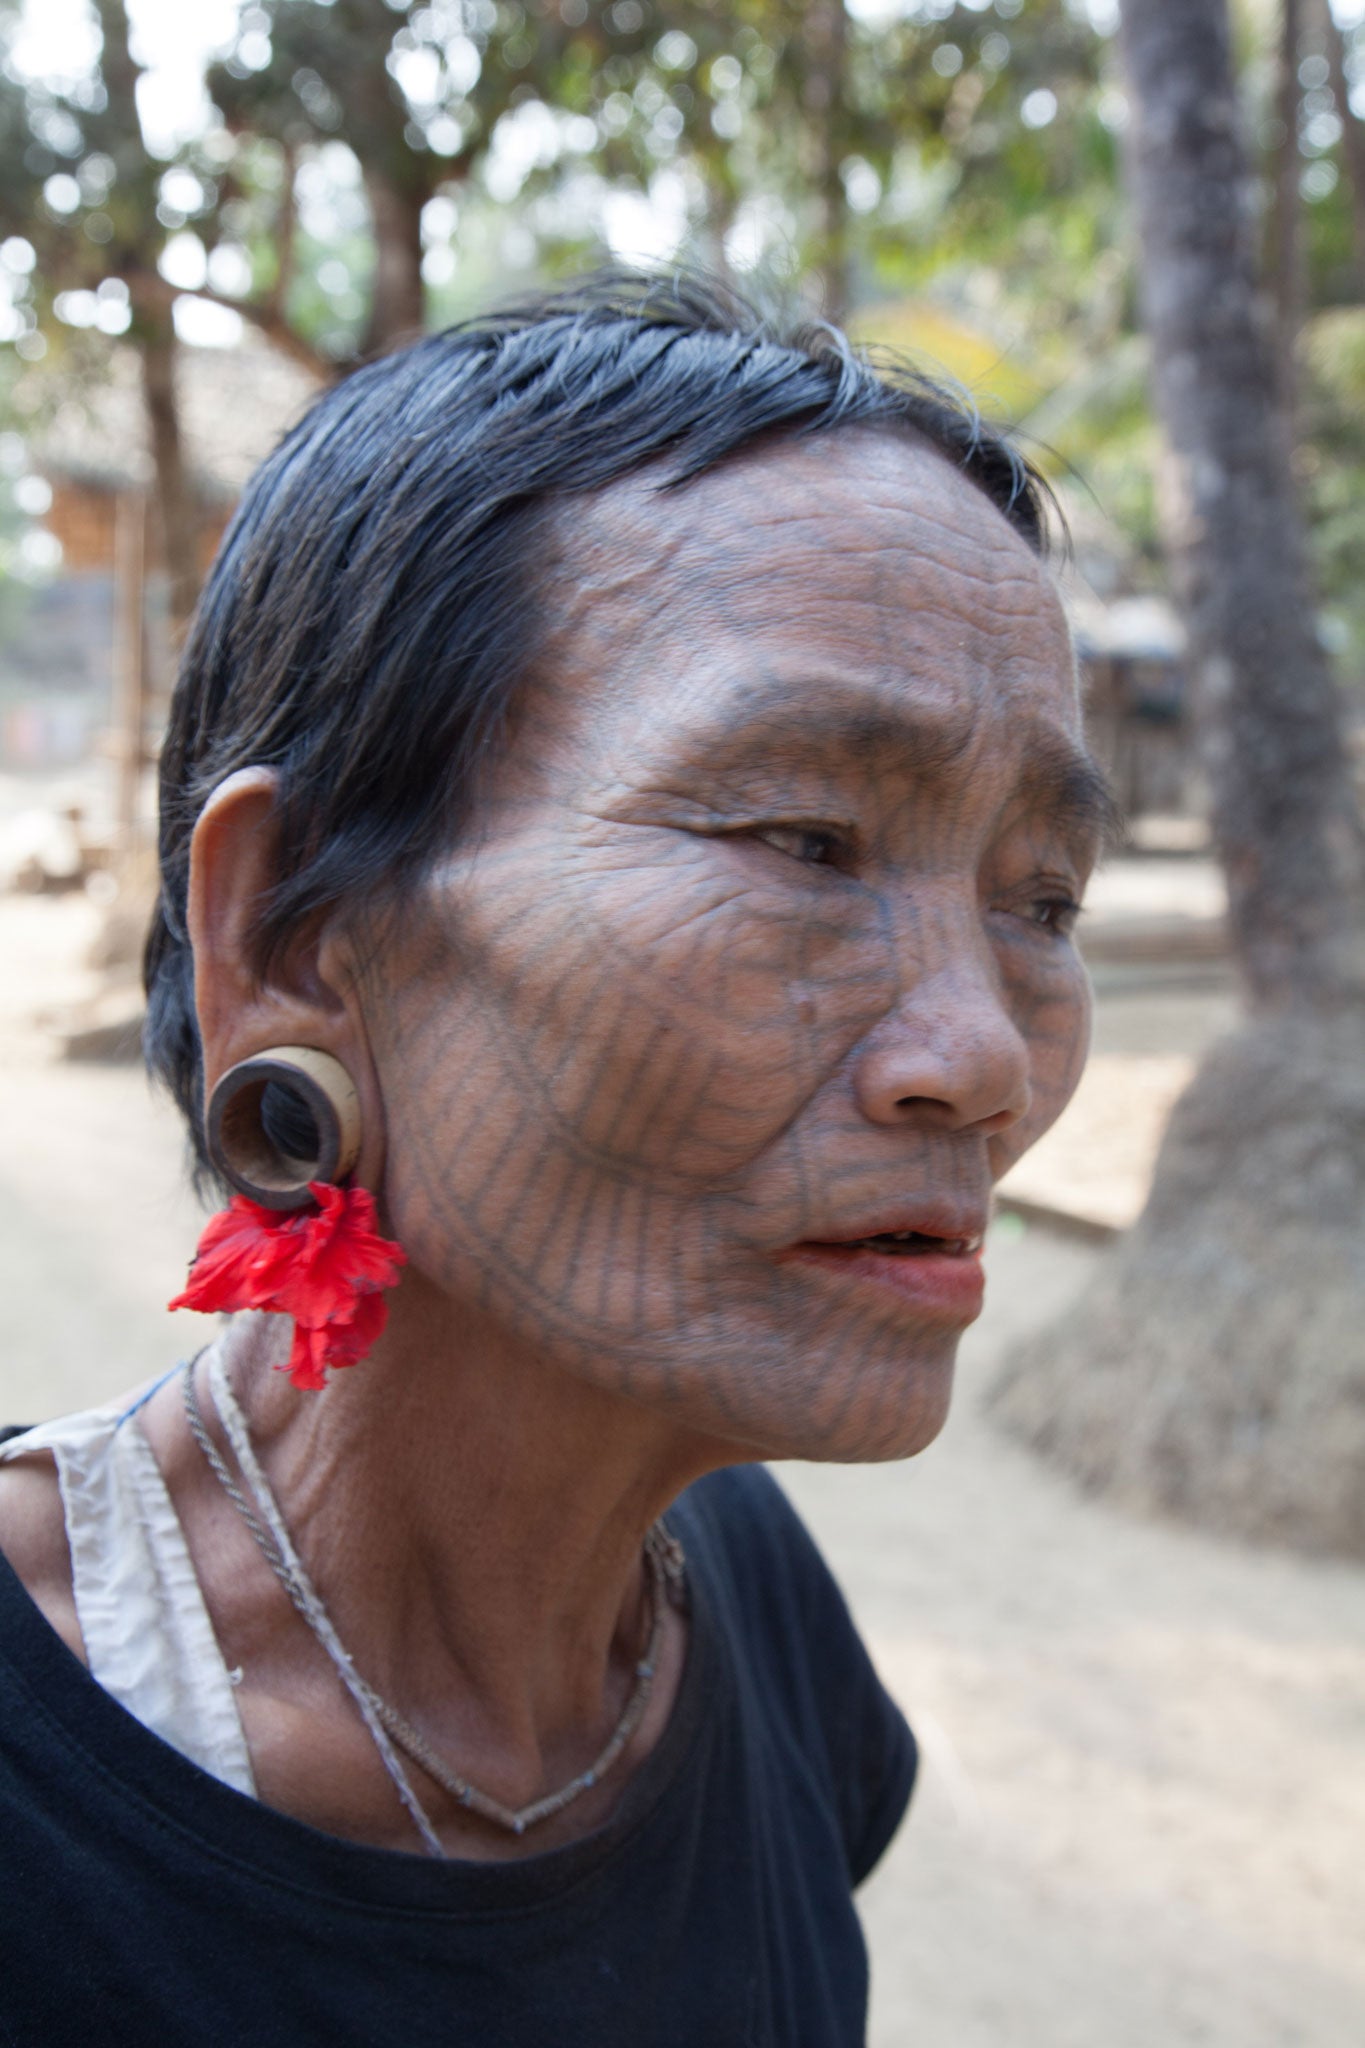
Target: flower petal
pixel 342 1255
pixel 324 1269
pixel 240 1262
pixel 306 1364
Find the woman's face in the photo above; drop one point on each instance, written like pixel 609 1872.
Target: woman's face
pixel 700 1059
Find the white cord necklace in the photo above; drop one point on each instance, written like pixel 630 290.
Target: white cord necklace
pixel 386 1726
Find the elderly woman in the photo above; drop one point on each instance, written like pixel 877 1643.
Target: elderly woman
pixel 624 812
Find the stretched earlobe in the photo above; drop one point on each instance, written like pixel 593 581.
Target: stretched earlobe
pixel 269 1133
pixel 281 1120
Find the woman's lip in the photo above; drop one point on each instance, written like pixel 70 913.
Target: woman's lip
pixel 946 1285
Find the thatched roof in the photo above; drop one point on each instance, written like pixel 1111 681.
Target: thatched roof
pixel 234 405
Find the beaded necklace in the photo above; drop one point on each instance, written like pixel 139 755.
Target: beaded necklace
pixel 387 1728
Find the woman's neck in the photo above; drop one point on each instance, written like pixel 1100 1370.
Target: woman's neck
pixel 473 1522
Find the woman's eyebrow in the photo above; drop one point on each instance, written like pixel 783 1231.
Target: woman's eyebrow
pixel 835 718
pixel 1059 778
pixel 1062 781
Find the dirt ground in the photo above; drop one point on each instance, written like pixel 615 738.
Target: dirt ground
pixel 1142 1806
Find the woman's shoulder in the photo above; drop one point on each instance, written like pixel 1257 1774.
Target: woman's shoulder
pixel 795 1648
pixel 33 1538
pixel 761 1568
pixel 49 1473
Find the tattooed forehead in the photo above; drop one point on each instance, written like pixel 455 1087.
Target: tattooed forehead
pixel 784 585
pixel 888 504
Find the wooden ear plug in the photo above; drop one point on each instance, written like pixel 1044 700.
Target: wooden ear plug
pixel 281 1120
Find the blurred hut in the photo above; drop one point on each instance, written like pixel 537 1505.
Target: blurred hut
pixel 90 661
pixel 1132 659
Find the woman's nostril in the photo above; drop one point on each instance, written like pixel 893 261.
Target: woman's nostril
pixel 932 1063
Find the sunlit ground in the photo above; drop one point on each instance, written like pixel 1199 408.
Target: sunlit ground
pixel 1143 1790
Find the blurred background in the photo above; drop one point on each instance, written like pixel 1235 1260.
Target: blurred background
pixel 1139 1685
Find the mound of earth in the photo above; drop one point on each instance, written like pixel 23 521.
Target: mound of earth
pixel 1215 1368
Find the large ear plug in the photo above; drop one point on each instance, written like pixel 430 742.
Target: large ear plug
pixel 284 1129
pixel 282 1119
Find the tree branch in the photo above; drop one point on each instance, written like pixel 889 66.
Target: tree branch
pixel 284 234
pixel 260 312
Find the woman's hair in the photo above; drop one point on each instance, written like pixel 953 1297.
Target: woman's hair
pixel 372 606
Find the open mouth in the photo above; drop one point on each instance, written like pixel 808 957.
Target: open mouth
pixel 938 1278
pixel 908 1244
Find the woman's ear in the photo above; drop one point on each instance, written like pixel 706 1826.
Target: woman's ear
pixel 307 996
pixel 234 862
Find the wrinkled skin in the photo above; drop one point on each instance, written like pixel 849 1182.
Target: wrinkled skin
pixel 767 928
pixel 761 939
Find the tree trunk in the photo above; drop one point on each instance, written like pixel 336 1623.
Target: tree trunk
pixel 826 37
pixel 397 301
pixel 1216 1369
pixel 153 330
pixel 1285 819
pixel 1352 136
pixel 130 659
pixel 176 510
pixel 1286 267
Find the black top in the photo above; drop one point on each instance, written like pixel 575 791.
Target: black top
pixel 142 1901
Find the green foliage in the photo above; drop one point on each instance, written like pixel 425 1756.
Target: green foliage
pixel 80 189
pixel 28 555
pixel 1332 470
pixel 947 169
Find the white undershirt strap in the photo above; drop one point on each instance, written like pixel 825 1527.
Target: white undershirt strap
pixel 148 1638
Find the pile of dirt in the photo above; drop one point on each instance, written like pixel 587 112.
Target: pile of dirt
pixel 1215 1368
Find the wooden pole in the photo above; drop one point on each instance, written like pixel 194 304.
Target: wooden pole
pixel 1287 279
pixel 130 656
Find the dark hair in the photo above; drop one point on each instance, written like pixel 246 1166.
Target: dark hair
pixel 368 616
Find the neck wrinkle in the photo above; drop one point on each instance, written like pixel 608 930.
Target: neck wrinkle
pixel 474 1524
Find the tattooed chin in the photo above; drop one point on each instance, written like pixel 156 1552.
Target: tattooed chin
pixel 701 1058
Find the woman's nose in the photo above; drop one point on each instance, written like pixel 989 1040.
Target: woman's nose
pixel 949 1054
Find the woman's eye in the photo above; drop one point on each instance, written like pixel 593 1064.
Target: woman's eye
pixel 811 844
pixel 1055 914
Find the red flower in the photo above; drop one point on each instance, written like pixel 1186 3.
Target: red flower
pixel 325 1269
pixel 336 1342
